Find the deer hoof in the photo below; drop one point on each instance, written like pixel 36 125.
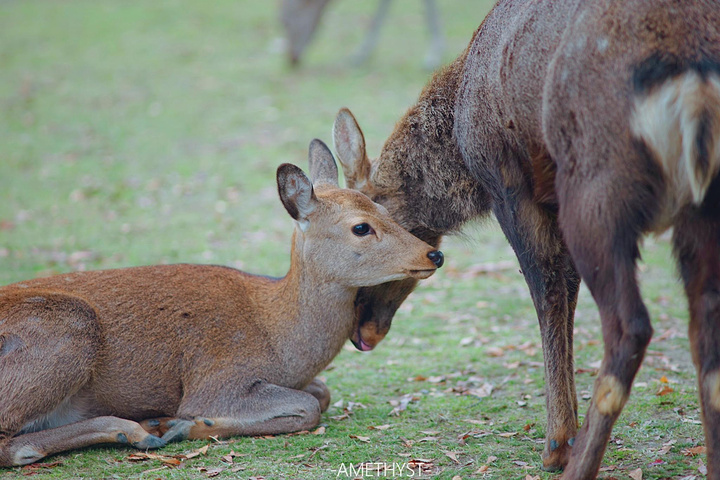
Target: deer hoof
pixel 206 421
pixel 149 442
pixel 179 430
pixel 557 455
pixel 26 454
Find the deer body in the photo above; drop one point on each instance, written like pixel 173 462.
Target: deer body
pixel 195 350
pixel 581 126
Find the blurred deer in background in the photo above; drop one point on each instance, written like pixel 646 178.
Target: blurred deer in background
pixel 96 357
pixel 300 19
pixel 582 126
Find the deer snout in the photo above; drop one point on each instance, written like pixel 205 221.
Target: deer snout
pixel 437 257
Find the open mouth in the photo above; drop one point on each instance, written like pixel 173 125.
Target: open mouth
pixel 359 343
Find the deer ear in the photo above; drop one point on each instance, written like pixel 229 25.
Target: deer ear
pixel 349 144
pixel 296 193
pixel 323 168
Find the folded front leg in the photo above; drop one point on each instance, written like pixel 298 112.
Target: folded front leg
pixel 319 390
pixel 264 409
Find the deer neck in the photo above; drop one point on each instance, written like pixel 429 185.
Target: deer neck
pixel 316 317
pixel 423 159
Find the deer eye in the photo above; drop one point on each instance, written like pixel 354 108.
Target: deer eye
pixel 362 229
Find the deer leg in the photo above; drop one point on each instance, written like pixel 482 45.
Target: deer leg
pixel 553 281
pixel 261 409
pixel 697 247
pixel 319 390
pixel 160 426
pixel 605 251
pixel 371 37
pixel 433 58
pixel 31 447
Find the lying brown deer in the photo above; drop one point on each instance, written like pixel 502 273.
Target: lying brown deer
pixel 582 126
pixel 300 18
pixel 86 356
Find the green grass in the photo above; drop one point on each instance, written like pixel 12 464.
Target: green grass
pixel 136 133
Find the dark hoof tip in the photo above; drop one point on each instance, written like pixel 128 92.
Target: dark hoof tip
pixel 208 422
pixel 553 445
pixel 152 423
pixel 571 441
pixel 151 441
pixel 122 438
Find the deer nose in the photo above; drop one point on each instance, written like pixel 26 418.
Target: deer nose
pixel 437 257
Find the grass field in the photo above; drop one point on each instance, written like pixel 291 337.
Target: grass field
pixel 136 133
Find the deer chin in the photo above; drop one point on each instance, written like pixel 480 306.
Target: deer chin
pixel 420 274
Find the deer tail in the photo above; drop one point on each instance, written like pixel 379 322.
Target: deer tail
pixel 678 118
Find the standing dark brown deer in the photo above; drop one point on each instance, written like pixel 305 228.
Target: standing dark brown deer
pixel 582 126
pixel 213 351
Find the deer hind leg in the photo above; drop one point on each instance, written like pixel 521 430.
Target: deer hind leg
pixel 697 247
pixel 365 50
pixel 553 281
pixel 603 240
pixel 433 58
pixel 31 447
pixel 260 409
pixel 48 346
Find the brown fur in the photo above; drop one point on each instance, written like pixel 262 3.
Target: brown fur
pixel 212 350
pixel 547 120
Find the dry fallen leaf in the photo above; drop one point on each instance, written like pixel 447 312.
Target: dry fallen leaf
pixel 494 351
pixel 401 405
pixel 694 451
pixel 452 456
pixel 636 474
pixel 195 453
pixel 666 447
pixel 361 438
pixel 142 456
pixel 319 431
pixel 507 434
pixel 379 427
pixel 32 468
pixel 483 469
pixel 701 467
pixel 664 391
pixel 485 390
pixel 422 465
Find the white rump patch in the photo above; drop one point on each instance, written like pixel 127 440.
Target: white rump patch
pixel 669 120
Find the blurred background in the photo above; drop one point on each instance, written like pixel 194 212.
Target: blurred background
pixel 143 132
